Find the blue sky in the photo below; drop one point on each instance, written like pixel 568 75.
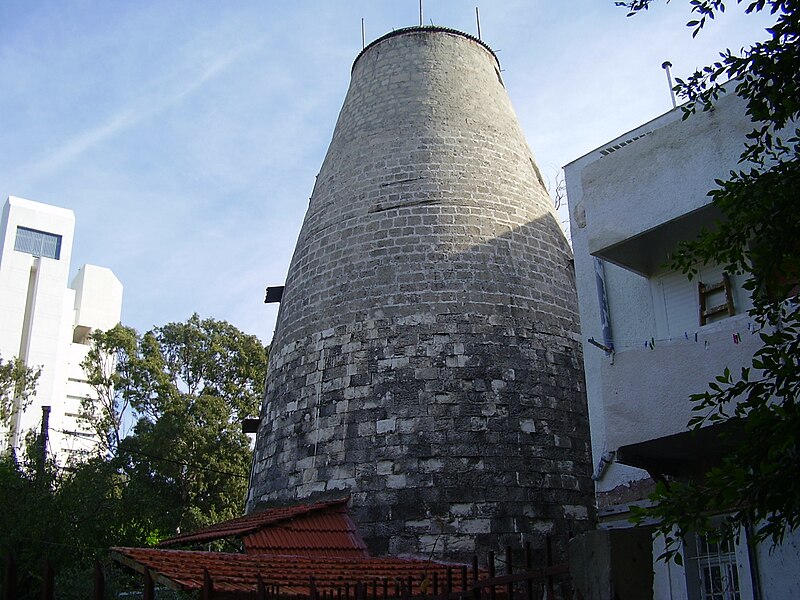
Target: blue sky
pixel 186 135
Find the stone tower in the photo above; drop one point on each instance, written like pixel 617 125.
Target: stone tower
pixel 426 358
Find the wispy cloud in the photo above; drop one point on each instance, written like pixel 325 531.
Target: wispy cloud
pixel 143 108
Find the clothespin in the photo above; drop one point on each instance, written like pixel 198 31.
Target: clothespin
pixel 686 335
pixel 695 336
pixel 705 344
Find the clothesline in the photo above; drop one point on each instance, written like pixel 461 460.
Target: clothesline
pixel 688 336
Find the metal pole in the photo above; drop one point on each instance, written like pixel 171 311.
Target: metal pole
pixel 43 438
pixel 363 35
pixel 420 13
pixel 666 65
pixel 478 20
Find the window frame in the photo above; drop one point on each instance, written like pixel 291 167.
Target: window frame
pixel 735 555
pixel 35 242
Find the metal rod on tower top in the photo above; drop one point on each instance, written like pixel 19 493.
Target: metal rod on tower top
pixel 363 36
pixel 666 65
pixel 478 19
pixel 420 13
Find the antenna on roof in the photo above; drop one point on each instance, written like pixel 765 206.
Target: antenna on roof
pixel 363 36
pixel 421 21
pixel 478 20
pixel 666 65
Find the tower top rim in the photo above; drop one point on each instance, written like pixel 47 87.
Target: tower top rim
pixel 424 29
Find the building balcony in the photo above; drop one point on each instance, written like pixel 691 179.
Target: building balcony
pixel 646 391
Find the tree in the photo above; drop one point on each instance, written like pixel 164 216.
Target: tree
pixel 109 366
pixel 179 392
pixel 17 385
pixel 190 385
pixel 756 483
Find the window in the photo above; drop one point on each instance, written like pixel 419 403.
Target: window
pixel 38 243
pixel 715 299
pixel 717 570
pixel 683 306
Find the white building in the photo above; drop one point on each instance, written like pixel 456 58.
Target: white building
pixel 631 202
pixel 46 322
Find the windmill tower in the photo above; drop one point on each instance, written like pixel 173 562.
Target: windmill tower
pixel 426 358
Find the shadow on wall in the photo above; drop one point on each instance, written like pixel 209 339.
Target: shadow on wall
pixel 442 388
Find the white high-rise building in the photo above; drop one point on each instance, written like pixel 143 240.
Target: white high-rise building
pixel 46 321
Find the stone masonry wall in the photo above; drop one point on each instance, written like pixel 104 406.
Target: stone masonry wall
pixel 426 358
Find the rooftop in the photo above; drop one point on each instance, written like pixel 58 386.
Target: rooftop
pixel 184 570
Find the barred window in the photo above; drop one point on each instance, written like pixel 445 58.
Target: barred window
pixel 717 569
pixel 38 243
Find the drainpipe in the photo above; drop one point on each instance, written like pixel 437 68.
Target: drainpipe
pixel 605 317
pixel 608 348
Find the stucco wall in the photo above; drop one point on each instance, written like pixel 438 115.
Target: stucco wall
pixel 663 175
pixel 642 392
pixel 614 197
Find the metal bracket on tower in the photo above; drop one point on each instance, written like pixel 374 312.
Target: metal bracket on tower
pixel 274 294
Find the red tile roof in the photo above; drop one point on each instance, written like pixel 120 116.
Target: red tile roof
pixel 323 533
pixel 319 529
pixel 181 569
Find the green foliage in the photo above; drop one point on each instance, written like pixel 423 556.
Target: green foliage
pixel 112 368
pixel 190 385
pixel 17 385
pixel 182 391
pixel 756 483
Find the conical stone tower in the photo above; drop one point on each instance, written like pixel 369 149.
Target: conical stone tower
pixel 426 358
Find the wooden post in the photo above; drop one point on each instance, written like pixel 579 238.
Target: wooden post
pixel 528 567
pixel 492 572
pixel 208 586
pixel 48 591
pixel 476 591
pixel 463 580
pixel 10 579
pixel 149 588
pixel 509 570
pixel 99 582
pixel 261 589
pixel 313 594
pixel 548 554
